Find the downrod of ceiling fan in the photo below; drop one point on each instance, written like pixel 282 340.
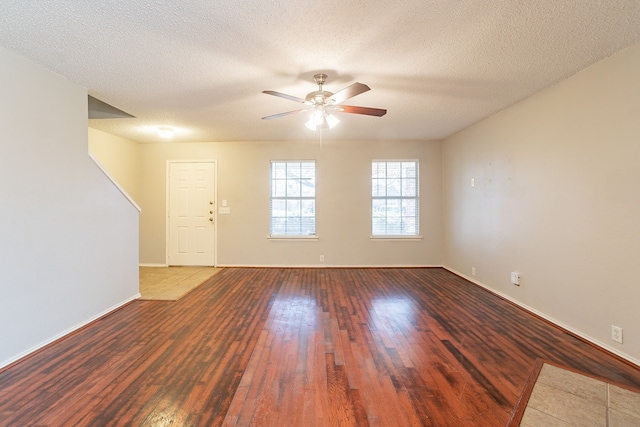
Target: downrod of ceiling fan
pixel 319 97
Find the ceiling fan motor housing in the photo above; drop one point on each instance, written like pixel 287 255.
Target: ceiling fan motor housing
pixel 319 97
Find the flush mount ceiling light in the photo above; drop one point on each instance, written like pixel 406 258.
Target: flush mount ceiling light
pixel 165 132
pixel 323 104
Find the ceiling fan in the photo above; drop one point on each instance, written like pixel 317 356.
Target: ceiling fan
pixel 323 104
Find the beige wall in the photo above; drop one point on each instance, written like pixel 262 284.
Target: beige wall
pixel 69 250
pixel 120 157
pixel 556 198
pixel 343 202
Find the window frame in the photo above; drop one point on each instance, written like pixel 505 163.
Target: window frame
pixel 400 198
pixel 294 198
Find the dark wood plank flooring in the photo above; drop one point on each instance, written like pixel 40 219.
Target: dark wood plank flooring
pixel 299 347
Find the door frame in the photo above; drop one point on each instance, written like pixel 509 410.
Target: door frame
pixel 215 205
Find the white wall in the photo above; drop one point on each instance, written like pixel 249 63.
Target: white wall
pixel 343 202
pixel 120 156
pixel 556 198
pixel 69 238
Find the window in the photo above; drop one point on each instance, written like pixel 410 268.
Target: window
pixel 395 198
pixel 293 198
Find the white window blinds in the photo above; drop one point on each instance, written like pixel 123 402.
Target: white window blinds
pixel 395 198
pixel 293 198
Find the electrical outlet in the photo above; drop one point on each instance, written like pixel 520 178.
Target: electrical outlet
pixel 515 278
pixel 473 271
pixel 321 258
pixel 616 333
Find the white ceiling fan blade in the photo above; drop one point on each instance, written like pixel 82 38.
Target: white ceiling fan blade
pixel 284 95
pixel 349 92
pixel 288 113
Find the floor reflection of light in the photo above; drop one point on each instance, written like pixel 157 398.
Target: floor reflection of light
pixel 293 312
pixel 395 313
pixel 169 410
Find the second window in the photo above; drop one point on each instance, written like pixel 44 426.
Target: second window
pixel 395 198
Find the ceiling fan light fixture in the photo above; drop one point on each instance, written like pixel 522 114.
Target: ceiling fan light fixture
pixel 332 121
pixel 320 118
pixel 317 117
pixel 311 125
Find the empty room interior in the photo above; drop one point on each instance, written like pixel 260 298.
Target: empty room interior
pixel 417 213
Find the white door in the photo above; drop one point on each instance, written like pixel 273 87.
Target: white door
pixel 191 213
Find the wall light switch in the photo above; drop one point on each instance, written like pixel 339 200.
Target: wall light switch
pixel 224 203
pixel 616 333
pixel 224 211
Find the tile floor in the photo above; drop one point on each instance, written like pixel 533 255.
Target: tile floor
pixel 566 398
pixel 172 283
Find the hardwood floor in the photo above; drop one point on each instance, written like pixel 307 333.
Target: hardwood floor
pixel 299 347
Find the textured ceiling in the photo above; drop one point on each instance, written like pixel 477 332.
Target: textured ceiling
pixel 437 66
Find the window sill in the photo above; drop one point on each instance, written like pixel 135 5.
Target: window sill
pixel 405 238
pixel 294 238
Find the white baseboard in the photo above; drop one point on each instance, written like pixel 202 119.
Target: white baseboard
pixel 152 265
pixel 549 319
pixel 326 266
pixel 67 332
